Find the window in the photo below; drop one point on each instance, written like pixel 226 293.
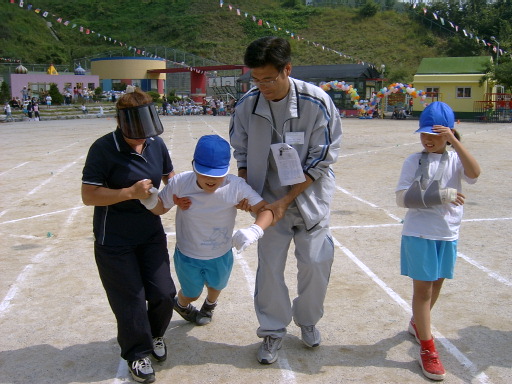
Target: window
pixel 464 92
pixel 432 91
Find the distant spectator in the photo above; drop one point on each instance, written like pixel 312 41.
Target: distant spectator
pixel 35 107
pixel 8 114
pixel 24 93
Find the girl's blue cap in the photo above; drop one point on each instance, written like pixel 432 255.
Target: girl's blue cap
pixel 436 113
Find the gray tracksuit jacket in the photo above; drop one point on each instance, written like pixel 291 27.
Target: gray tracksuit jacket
pixel 310 111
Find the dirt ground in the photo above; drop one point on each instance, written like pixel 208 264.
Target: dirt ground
pixel 57 327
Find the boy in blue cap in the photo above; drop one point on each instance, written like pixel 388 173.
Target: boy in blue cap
pixel 430 187
pixel 203 254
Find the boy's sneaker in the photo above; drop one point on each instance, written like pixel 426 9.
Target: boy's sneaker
pixel 431 365
pixel 267 354
pixel 413 331
pixel 189 313
pixel 310 335
pixel 204 316
pixel 159 349
pixel 142 371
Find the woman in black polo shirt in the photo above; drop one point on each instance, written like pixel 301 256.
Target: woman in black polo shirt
pixel 130 243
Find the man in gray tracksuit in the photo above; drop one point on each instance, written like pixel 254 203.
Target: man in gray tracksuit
pixel 297 117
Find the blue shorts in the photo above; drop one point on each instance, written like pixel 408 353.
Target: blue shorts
pixel 427 260
pixel 194 274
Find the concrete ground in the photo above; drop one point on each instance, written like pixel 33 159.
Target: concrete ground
pixel 57 327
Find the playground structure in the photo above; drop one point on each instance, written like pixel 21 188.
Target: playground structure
pixel 496 108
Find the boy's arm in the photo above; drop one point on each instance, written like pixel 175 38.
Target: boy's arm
pixel 246 236
pixel 264 217
pixel 154 203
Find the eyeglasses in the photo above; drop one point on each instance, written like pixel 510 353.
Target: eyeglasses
pixel 266 83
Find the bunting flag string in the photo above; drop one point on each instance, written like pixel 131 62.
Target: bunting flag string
pixel 88 31
pixel 8 60
pixel 466 31
pixel 293 35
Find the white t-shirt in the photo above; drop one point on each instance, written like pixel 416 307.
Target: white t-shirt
pixel 204 231
pixel 440 222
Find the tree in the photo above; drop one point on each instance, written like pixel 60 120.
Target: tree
pixel 503 74
pixel 499 74
pixel 5 93
pixel 57 97
pixel 369 9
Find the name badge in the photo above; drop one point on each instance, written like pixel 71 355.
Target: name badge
pixel 294 138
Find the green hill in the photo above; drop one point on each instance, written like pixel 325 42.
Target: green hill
pixel 203 28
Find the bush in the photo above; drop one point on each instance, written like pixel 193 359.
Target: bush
pixel 98 94
pixel 154 95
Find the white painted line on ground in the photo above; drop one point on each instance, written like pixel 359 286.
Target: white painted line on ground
pixel 491 274
pixel 13 168
pixel 365 226
pixel 122 376
pixel 396 218
pixel 399 224
pixel 489 219
pixel 452 349
pixel 377 150
pixel 249 275
pixel 287 374
pixel 6 302
pixel 61 170
pixel 42 215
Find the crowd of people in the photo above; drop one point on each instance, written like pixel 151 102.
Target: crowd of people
pixel 216 106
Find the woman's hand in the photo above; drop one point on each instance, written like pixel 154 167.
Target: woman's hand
pixel 141 189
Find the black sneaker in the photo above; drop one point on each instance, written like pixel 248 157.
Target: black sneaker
pixel 142 371
pixel 189 313
pixel 159 349
pixel 204 316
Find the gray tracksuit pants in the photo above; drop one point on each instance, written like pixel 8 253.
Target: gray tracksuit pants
pixel 314 251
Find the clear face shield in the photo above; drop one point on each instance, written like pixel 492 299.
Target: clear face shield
pixel 140 122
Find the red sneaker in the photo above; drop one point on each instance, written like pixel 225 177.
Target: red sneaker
pixel 413 331
pixel 431 365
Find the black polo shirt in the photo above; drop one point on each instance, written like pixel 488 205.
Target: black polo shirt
pixel 112 163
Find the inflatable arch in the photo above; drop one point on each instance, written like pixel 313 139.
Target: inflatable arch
pixel 369 105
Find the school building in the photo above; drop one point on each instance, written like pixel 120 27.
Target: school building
pixel 457 81
pixel 130 70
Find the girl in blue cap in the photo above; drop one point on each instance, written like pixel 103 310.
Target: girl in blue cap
pixel 430 187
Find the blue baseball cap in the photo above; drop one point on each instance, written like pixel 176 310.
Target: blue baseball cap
pixel 212 156
pixel 436 113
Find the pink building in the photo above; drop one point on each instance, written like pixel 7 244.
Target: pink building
pixel 37 82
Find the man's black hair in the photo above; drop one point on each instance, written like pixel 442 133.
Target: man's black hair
pixel 268 50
